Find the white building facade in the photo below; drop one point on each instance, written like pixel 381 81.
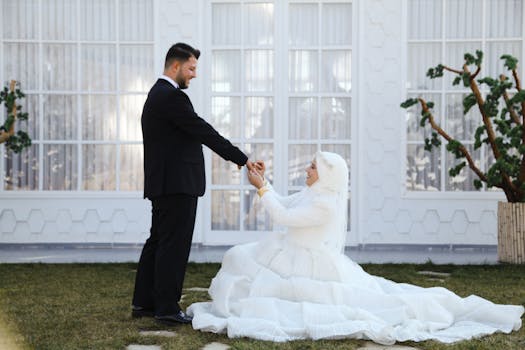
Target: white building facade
pixel 280 79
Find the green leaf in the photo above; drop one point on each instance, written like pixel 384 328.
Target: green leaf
pixel 456 80
pixel 477 184
pixel 457 169
pixel 468 102
pixel 435 72
pixel 511 62
pixel 409 103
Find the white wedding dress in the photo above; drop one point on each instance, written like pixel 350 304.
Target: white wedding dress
pixel 297 285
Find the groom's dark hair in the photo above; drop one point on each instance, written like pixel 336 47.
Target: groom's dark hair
pixel 180 52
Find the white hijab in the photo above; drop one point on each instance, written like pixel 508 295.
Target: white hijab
pixel 333 181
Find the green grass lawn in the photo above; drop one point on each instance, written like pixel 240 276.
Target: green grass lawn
pixel 87 306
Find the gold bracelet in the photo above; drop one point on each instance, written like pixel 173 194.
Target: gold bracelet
pixel 261 191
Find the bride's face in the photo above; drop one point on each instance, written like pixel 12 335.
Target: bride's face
pixel 311 174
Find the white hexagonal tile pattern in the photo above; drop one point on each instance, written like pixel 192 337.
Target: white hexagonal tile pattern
pixel 459 222
pixel 403 221
pixel 375 152
pixel 91 221
pixel 431 221
pixel 376 12
pixel 375 198
pixel 64 221
pixel 36 221
pixel 390 208
pixel 7 221
pixel 119 221
pixel 488 222
pixel 375 222
pixel 375 35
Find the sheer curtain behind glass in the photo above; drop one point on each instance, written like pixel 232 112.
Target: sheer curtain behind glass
pixel 455 27
pixel 319 84
pixel 242 106
pixel 83 120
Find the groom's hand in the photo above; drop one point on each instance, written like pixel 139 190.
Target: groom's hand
pixel 250 165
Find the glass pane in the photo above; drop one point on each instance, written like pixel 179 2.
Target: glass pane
pixel 225 72
pixel 226 116
pixel 463 19
pixel 20 64
pixel 464 181
pixel 225 210
pixel 258 24
pixel 99 167
pixel 302 67
pixel 30 106
pixel 336 71
pixel 98 65
pixel 504 18
pixel 423 169
pixel 99 117
pixel 97 20
pixel 344 151
pixel 255 217
pixel 259 118
pixel 336 115
pixel 226 22
pixel 21 170
pixel 299 157
pixel 414 131
pixel 60 117
pixel 303 24
pixel 60 167
pixel 137 71
pixel 136 20
pixel 259 70
pixel 20 19
pixel 129 122
pixel 131 168
pixel 60 67
pixel 455 53
pixel 302 118
pixel 59 19
pixel 422 25
pixel 421 57
pixel 493 64
pixel 337 24
pixel 459 126
pixel 224 172
pixel 264 152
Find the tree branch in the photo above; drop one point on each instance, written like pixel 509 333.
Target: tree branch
pixel 5 135
pixel 512 112
pixel 452 70
pixel 449 138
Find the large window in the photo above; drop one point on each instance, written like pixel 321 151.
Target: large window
pixel 86 67
pixel 441 31
pixel 280 90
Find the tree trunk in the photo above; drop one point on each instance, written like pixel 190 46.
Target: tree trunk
pixel 511 232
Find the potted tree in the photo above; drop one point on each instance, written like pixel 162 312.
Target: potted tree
pixel 502 129
pixel 15 141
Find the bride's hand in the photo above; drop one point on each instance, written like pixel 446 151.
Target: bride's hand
pixel 255 179
pixel 260 167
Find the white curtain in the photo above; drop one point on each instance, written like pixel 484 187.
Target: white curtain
pixel 428 42
pixel 80 50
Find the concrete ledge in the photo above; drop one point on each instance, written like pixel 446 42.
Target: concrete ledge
pixel 108 253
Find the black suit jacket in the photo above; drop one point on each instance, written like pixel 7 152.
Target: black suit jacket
pixel 173 136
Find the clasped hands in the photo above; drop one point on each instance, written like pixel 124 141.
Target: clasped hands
pixel 256 173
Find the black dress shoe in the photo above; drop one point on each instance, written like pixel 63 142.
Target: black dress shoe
pixel 139 311
pixel 171 320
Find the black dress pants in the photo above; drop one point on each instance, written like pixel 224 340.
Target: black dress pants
pixel 162 264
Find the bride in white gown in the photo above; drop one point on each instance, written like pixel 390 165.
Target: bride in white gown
pixel 300 285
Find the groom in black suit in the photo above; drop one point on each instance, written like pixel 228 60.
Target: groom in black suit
pixel 174 178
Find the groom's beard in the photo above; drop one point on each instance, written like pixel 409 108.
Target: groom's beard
pixel 181 82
